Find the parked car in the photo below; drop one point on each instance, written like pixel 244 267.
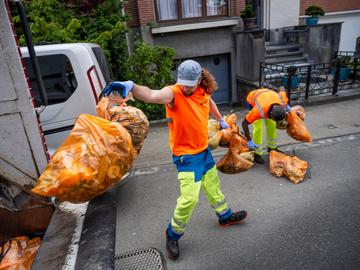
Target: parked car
pixel 74 74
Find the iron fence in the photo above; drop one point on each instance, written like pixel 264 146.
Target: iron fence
pixel 305 81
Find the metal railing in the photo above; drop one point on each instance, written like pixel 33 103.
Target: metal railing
pixel 306 81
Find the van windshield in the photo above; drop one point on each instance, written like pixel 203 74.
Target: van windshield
pixel 100 57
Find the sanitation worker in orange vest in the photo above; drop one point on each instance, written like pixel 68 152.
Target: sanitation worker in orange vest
pixel 188 104
pixel 265 107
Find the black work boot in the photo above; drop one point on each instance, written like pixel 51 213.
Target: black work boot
pixel 234 218
pixel 172 247
pixel 259 159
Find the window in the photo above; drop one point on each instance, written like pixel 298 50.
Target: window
pixel 103 63
pixel 58 76
pixel 185 9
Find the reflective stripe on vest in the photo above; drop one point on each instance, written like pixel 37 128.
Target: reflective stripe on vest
pixel 258 105
pixel 254 99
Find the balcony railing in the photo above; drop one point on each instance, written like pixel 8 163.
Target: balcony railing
pixel 313 80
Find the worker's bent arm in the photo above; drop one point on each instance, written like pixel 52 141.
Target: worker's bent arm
pixel 245 126
pixel 144 93
pixel 214 111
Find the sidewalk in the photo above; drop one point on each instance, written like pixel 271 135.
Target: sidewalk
pixel 323 121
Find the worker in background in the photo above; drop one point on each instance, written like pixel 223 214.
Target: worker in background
pixel 265 107
pixel 188 104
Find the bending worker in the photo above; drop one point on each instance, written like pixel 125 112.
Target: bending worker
pixel 267 106
pixel 188 104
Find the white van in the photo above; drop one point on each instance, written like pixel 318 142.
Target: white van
pixel 74 75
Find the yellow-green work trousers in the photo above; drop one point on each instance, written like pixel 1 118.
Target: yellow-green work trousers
pixel 258 134
pixel 190 184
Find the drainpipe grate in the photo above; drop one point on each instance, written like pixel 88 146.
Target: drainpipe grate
pixel 146 258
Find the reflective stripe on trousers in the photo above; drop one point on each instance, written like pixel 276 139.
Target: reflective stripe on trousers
pixel 189 196
pixel 258 134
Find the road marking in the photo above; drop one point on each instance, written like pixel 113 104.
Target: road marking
pixel 321 142
pixel 146 171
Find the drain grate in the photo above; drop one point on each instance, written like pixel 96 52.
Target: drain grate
pixel 146 258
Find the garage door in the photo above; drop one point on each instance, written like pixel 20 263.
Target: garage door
pixel 218 65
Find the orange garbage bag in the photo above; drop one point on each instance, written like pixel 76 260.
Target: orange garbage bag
pixel 226 136
pixel 300 111
pixel 103 108
pixel 232 163
pixel 134 121
pixel 239 144
pixel 238 158
pixel 230 119
pixel 96 154
pixel 296 128
pixel 19 253
pixel 213 128
pixel 290 166
pixel 131 118
pixel 215 140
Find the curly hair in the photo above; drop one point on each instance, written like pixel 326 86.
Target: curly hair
pixel 208 82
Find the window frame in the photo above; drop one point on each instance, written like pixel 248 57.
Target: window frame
pixel 203 16
pixel 67 76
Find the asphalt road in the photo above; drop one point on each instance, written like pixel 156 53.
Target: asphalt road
pixel 312 225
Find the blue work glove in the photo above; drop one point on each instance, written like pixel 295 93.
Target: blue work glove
pixel 124 88
pixel 252 145
pixel 223 124
pixel 288 109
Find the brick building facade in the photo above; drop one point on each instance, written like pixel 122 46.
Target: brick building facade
pixel 143 12
pixel 330 6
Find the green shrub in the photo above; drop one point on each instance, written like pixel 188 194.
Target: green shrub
pixel 49 22
pixel 314 11
pixel 342 61
pixel 151 66
pixel 248 12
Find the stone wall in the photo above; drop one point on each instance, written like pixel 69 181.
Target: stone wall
pixel 321 41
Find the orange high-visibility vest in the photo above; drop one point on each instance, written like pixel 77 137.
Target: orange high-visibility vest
pixel 188 123
pixel 261 101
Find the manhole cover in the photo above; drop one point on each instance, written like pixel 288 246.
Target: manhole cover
pixel 140 259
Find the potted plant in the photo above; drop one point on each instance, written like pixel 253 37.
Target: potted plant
pixel 343 63
pixel 249 17
pixel 314 12
pixel 291 74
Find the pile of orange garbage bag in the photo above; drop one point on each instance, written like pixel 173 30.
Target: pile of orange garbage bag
pixel 290 166
pixel 95 155
pixel 239 157
pixel 19 253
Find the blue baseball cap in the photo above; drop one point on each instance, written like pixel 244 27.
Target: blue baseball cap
pixel 189 73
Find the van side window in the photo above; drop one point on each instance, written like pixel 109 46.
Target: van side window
pixel 104 65
pixel 58 76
